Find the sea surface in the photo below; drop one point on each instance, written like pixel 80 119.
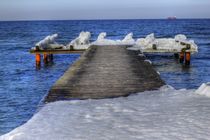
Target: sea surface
pixel 22 86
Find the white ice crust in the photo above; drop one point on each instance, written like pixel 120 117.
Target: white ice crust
pixel 162 114
pixel 176 44
pixel 102 41
pixel 48 43
pixel 47 40
pixel 129 39
pixel 81 42
pixel 204 89
pixel 148 44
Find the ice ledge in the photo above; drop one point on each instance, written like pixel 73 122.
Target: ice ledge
pixel 148 44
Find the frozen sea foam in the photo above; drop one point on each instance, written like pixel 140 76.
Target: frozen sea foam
pixel 165 114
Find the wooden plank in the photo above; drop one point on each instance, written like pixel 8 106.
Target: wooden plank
pixel 56 51
pixel 105 72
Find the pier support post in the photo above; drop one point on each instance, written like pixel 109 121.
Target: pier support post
pixel 45 58
pixel 38 60
pixel 181 57
pixel 176 55
pixel 51 57
pixel 187 58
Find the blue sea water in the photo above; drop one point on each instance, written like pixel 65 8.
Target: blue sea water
pixel 22 86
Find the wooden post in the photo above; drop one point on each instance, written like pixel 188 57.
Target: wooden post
pixel 51 57
pixel 38 60
pixel 187 58
pixel 45 58
pixel 176 55
pixel 71 47
pixel 181 57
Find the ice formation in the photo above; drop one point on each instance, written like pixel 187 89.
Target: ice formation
pixel 147 41
pixel 81 42
pixel 101 36
pixel 163 114
pixel 176 44
pixel 148 44
pixel 101 40
pixel 204 89
pixel 48 43
pixel 180 37
pixel 128 40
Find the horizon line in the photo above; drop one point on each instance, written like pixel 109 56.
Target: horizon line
pixel 104 19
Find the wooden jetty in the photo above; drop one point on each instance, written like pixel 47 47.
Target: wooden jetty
pixel 56 51
pixel 105 72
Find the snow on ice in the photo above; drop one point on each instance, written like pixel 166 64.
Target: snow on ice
pixel 163 114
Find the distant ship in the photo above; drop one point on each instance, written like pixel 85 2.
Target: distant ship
pixel 172 18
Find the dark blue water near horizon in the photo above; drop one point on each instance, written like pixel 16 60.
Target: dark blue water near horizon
pixel 22 87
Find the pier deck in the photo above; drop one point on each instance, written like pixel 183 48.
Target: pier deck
pixel 105 72
pixel 60 51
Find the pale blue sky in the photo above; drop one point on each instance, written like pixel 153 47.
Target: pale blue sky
pixel 102 9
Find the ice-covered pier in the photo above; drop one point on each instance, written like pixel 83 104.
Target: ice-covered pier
pixel 105 72
pixel 180 45
pixel 110 68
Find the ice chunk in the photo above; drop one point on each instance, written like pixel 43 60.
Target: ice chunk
pixel 150 38
pixel 146 42
pixel 102 41
pixel 81 42
pixel 176 44
pixel 180 37
pixel 167 44
pixel 44 44
pixel 101 36
pixel 128 39
pixel 204 89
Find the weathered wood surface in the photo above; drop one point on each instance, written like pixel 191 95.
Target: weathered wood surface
pixel 58 51
pixel 105 72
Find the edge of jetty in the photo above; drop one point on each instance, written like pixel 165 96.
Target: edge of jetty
pixel 105 72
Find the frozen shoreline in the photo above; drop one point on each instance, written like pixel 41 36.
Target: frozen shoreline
pixel 162 114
